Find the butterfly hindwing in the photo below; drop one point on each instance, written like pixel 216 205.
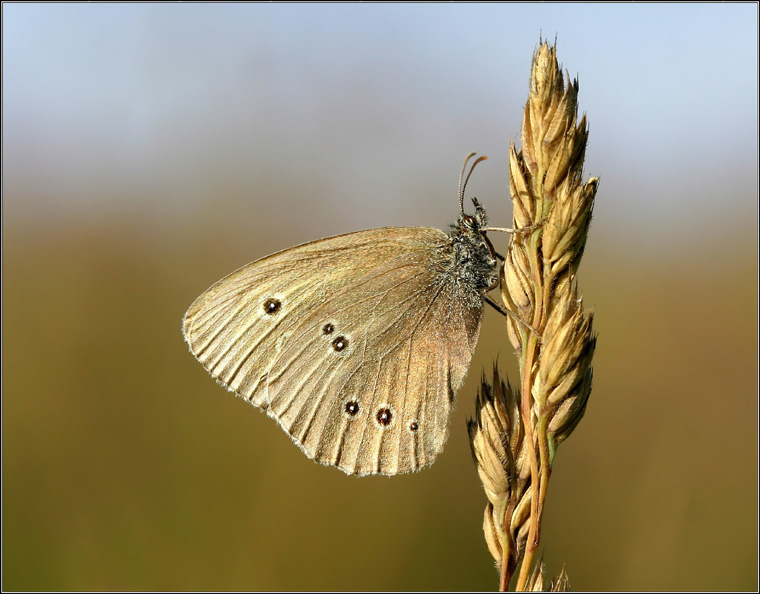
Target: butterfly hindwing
pixel 356 344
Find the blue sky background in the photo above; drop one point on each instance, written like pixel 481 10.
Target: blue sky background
pixel 359 115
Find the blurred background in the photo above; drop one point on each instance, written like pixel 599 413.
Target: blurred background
pixel 149 150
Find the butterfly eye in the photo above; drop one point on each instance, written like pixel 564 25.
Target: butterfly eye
pixel 328 329
pixel 468 221
pixel 340 343
pixel 272 306
pixel 384 417
pixel 413 426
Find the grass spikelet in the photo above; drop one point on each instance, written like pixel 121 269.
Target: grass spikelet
pixel 552 210
pixel 499 450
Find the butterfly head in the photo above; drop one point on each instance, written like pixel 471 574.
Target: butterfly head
pixel 473 223
pixel 474 257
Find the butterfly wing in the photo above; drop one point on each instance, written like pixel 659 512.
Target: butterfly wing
pixel 356 344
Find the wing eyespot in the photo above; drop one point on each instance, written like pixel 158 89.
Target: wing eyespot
pixel 340 344
pixel 384 417
pixel 351 409
pixel 272 306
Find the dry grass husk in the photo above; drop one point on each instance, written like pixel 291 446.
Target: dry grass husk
pixel 516 432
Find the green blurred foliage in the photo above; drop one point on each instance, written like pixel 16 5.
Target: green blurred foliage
pixel 125 467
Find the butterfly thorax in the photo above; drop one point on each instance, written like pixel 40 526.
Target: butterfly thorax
pixel 474 262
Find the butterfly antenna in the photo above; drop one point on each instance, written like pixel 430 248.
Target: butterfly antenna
pixel 461 176
pixel 462 188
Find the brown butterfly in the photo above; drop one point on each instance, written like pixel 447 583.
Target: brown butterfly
pixel 355 344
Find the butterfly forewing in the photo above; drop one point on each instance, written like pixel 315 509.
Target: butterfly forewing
pixel 356 344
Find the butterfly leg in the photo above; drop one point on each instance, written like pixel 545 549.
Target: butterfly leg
pixel 506 312
pixel 519 231
pixel 496 306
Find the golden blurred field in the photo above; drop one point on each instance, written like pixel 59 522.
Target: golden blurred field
pixel 125 467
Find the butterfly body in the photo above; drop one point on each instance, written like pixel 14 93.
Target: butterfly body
pixel 355 344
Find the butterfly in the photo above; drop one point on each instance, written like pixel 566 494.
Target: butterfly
pixel 355 344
